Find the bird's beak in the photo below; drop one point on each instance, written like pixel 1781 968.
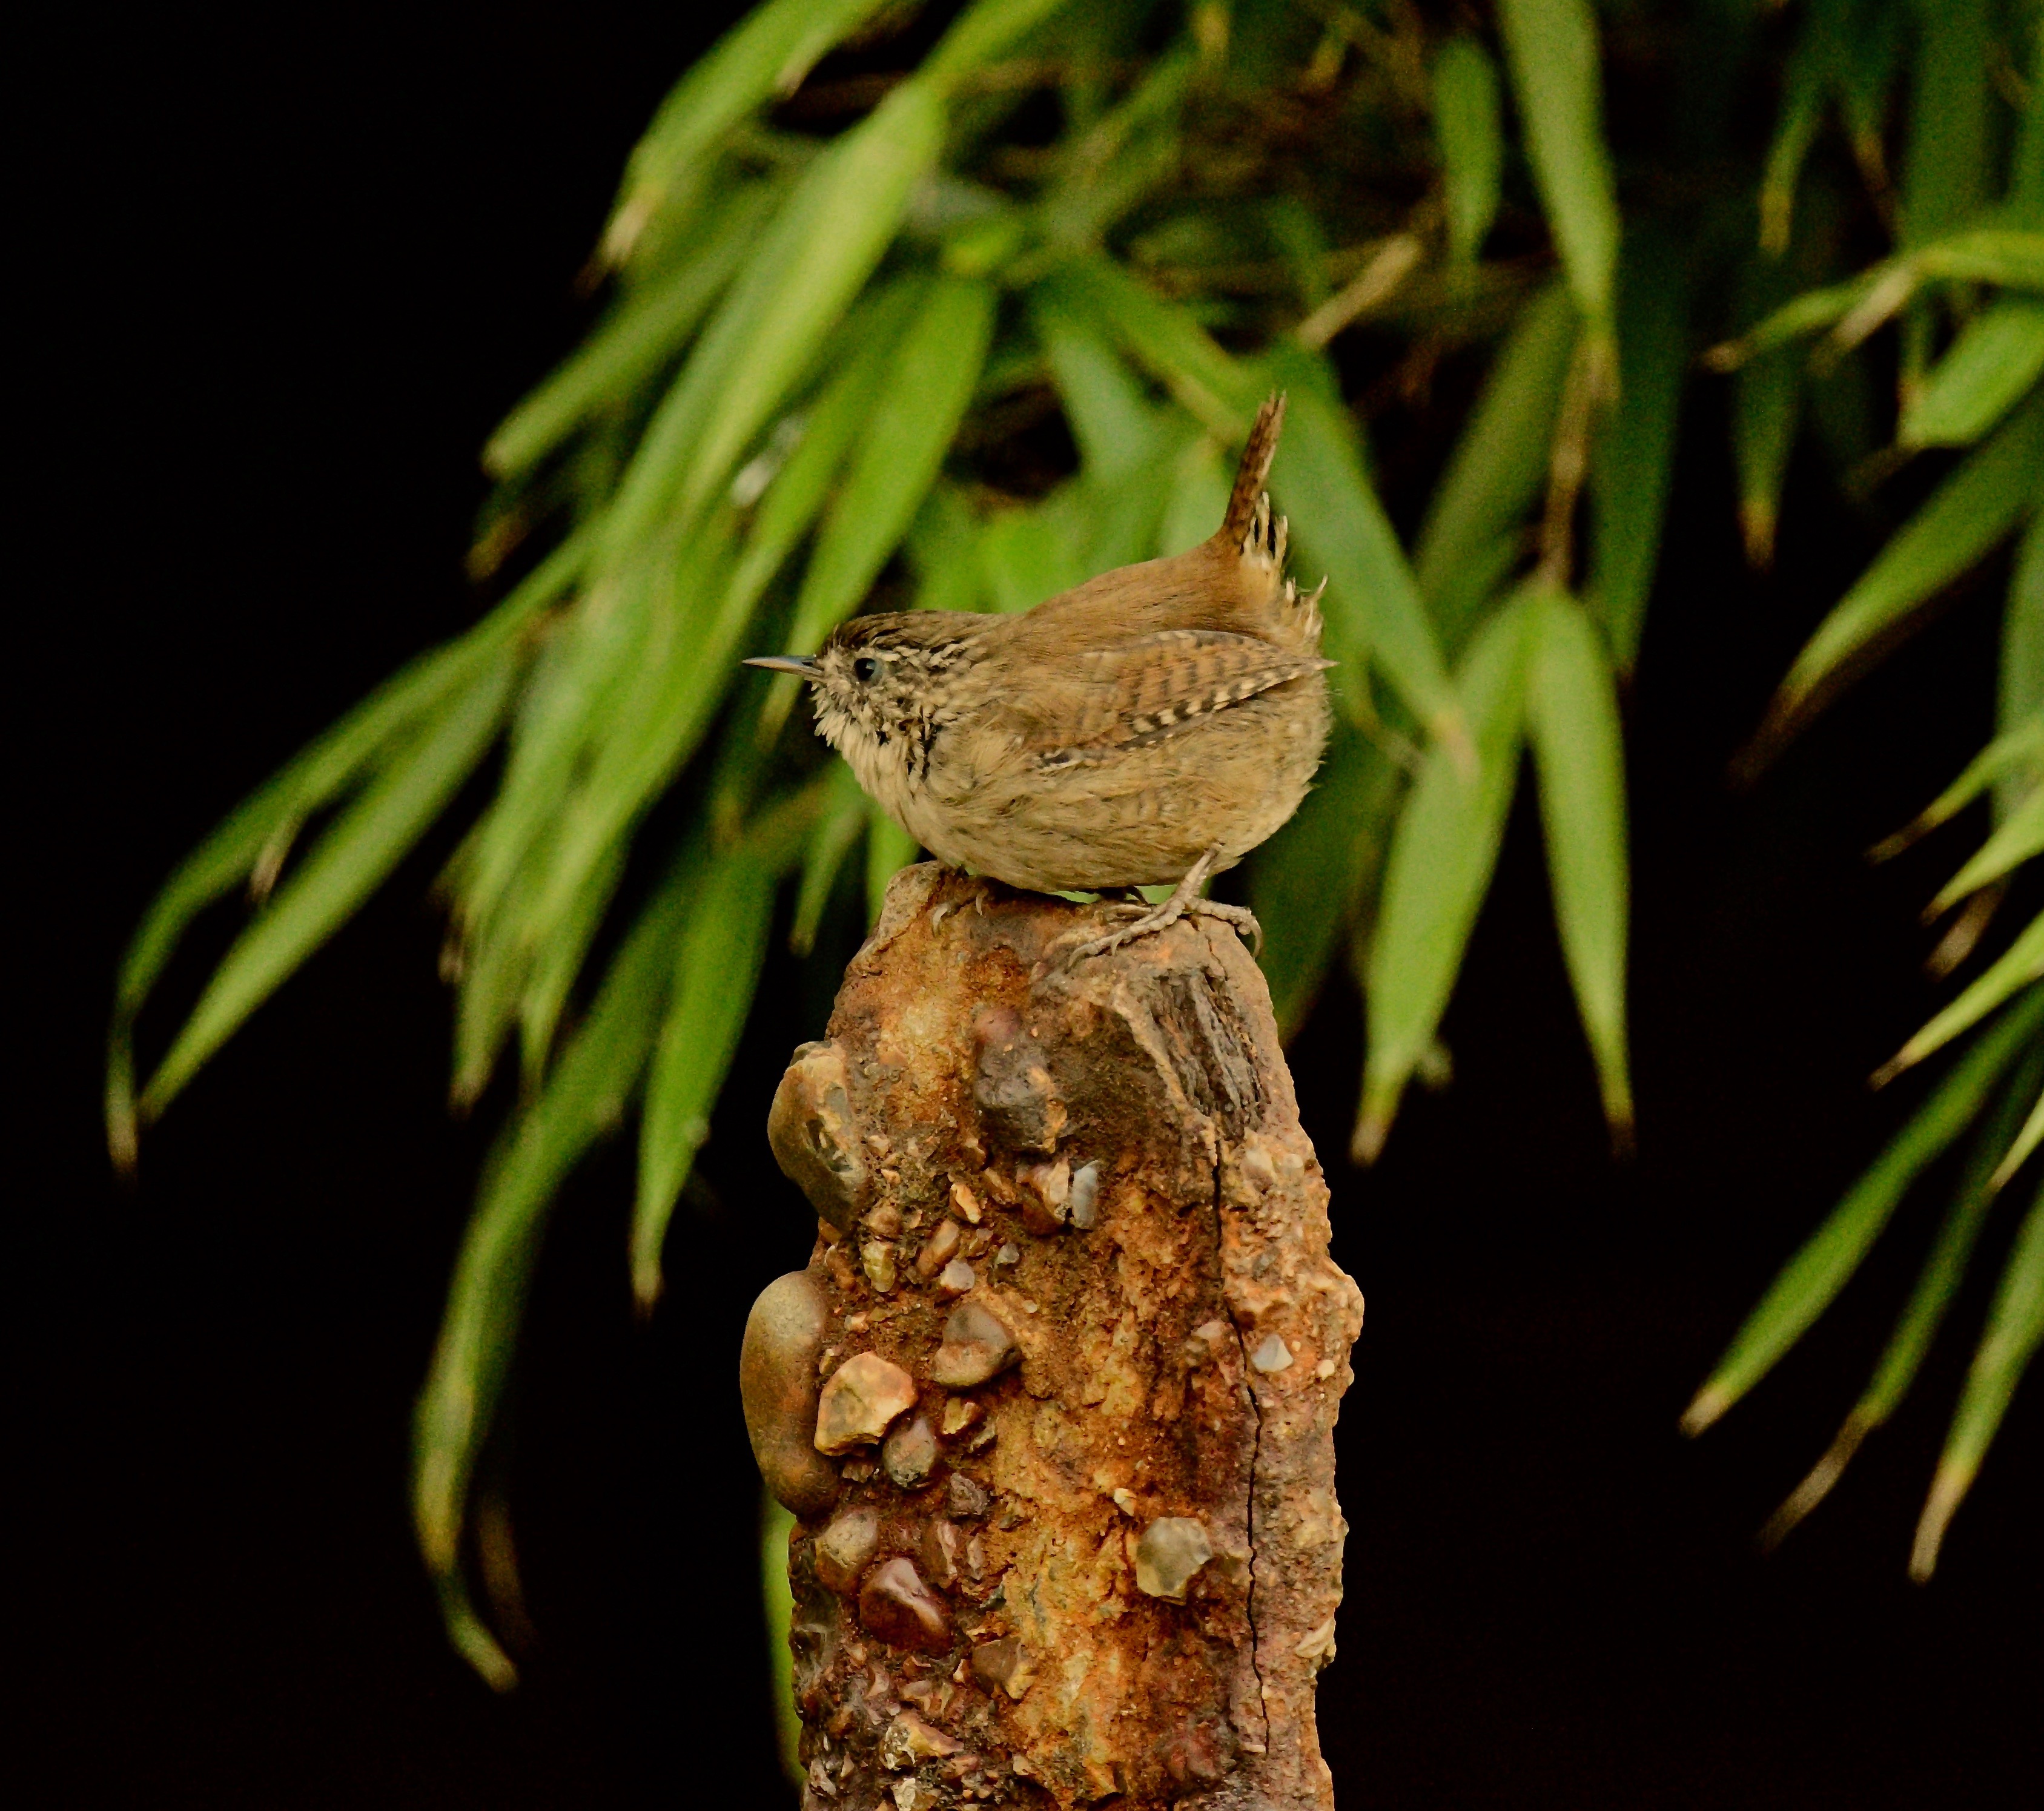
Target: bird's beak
pixel 802 665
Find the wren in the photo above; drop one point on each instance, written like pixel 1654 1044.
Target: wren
pixel 1148 727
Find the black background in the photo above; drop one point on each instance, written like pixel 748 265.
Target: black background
pixel 286 270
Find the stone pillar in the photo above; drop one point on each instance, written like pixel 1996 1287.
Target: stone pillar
pixel 1054 1399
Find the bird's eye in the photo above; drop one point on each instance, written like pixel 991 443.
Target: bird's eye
pixel 865 669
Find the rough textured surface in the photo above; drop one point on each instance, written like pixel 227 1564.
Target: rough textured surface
pixel 1076 1207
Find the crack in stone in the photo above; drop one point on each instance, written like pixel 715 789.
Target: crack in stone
pixel 1255 1448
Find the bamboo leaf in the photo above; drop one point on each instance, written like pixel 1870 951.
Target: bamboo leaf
pixel 1197 499
pixel 1937 1283
pixel 1557 78
pixel 838 827
pixel 990 30
pixel 1374 610
pixel 2017 838
pixel 353 857
pixel 2026 1143
pixel 777 1528
pixel 2020 965
pixel 1997 358
pixel 822 248
pixel 943 551
pixel 897 453
pixel 1470 135
pixel 1972 510
pixel 2015 1325
pixel 717 969
pixel 2011 257
pixel 2021 684
pixel 1475 529
pixel 889 849
pixel 1113 422
pixel 1944 174
pixel 768 53
pixel 1804 79
pixel 1811 1280
pixel 261 829
pixel 1310 879
pixel 1579 754
pixel 2018 751
pixel 558 961
pixel 1767 404
pixel 1439 869
pixel 1027 555
pixel 1633 458
pixel 585 1098
pixel 622 355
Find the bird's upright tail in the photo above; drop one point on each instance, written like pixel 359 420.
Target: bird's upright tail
pixel 1255 467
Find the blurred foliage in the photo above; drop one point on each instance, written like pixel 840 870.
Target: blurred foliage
pixel 952 307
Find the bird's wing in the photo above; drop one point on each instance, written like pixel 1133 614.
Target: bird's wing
pixel 1150 687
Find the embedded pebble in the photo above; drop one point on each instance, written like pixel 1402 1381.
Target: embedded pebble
pixel 1273 1355
pixel 960 1414
pixel 1046 1195
pixel 977 1346
pixel 1009 1253
pixel 896 1605
pixel 909 1740
pixel 1205 1342
pixel 965 1202
pixel 885 1221
pixel 1002 1665
pixel 909 1453
pixel 860 1401
pixel 938 1249
pixel 1172 1549
pixel 814 1135
pixel 967 1498
pixel 941 1547
pixel 957 1277
pixel 876 1258
pixel 1082 1205
pixel 844 1548
pixel 777 1385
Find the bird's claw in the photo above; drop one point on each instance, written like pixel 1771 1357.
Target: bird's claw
pixel 1151 919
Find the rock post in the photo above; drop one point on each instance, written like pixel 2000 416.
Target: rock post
pixel 1053 1401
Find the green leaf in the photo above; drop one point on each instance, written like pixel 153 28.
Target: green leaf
pixel 1475 530
pixel 1439 869
pixel 822 248
pixel 889 849
pixel 1198 485
pixel 1766 406
pixel 1027 555
pixel 1471 138
pixel 1373 608
pixel 2017 838
pixel 1309 880
pixel 2020 965
pixel 1633 458
pixel 584 1098
pixel 1972 510
pixel 1112 420
pixel 2018 751
pixel 1997 358
pixel 1811 1280
pixel 2011 257
pixel 777 1528
pixel 2015 1325
pixel 1162 338
pixel 558 961
pixel 990 30
pixel 838 827
pixel 2025 205
pixel 368 840
pixel 943 551
pixel 896 454
pixel 1804 78
pixel 1579 754
pixel 613 364
pixel 768 53
pixel 1944 171
pixel 2026 1143
pixel 716 968
pixel 1937 1283
pixel 1557 78
pixel 259 831
pixel 2021 684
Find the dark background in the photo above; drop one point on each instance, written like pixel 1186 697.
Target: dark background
pixel 286 269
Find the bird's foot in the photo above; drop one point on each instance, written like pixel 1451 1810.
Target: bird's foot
pixel 1184 901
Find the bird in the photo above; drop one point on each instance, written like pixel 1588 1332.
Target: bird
pixel 1148 727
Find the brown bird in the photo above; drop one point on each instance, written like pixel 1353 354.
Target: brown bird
pixel 1151 726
